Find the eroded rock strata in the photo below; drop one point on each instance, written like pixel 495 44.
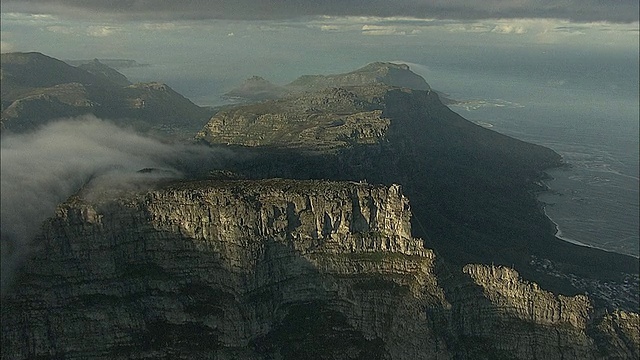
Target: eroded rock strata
pixel 279 269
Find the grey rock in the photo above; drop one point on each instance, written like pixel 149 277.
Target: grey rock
pixel 278 269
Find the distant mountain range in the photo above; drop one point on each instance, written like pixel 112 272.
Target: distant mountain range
pixel 257 88
pixel 37 89
pixel 112 63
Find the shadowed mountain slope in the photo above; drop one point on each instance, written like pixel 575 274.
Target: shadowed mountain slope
pixel 37 89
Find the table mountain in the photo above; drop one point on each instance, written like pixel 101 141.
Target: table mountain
pixel 279 269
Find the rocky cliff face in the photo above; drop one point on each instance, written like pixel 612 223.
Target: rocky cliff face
pixel 278 269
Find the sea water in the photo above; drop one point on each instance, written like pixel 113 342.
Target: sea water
pixel 591 120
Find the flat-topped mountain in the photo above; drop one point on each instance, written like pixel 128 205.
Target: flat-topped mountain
pixel 37 88
pixel 280 269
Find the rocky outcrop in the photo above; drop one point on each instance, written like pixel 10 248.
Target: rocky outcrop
pixel 206 268
pixel 507 303
pixel 324 121
pixel 497 306
pixel 277 269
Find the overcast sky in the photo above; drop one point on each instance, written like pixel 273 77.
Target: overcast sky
pixel 197 45
pixel 577 10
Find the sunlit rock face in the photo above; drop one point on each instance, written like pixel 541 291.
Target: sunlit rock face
pixel 278 269
pixel 209 268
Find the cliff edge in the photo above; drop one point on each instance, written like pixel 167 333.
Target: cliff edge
pixel 278 268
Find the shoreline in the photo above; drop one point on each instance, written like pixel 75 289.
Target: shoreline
pixel 557 231
pixel 558 235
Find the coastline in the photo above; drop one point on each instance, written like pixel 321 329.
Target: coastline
pixel 558 235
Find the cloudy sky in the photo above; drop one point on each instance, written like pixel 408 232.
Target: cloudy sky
pixel 188 41
pixel 577 10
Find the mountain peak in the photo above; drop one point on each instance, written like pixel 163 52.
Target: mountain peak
pixel 36 70
pixel 387 73
pixel 381 65
pixel 25 57
pixel 256 88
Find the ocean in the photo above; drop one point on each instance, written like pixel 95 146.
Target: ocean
pixel 590 117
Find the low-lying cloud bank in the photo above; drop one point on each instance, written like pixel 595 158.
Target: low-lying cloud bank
pixel 39 170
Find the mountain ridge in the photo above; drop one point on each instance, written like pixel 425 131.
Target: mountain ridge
pixel 256 269
pixel 37 89
pixel 257 88
pixel 389 134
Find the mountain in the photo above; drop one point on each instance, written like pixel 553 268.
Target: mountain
pixel 112 63
pixel 358 220
pixel 37 89
pixel 24 72
pixel 256 88
pixel 392 74
pixel 472 189
pixel 101 70
pixel 380 73
pixel 279 269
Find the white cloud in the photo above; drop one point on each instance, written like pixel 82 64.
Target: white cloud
pixel 28 17
pixel 331 27
pixel 517 27
pixel 158 26
pixel 167 26
pixel 60 29
pixel 508 29
pixel 44 167
pixel 101 31
pixel 467 27
pixel 381 30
